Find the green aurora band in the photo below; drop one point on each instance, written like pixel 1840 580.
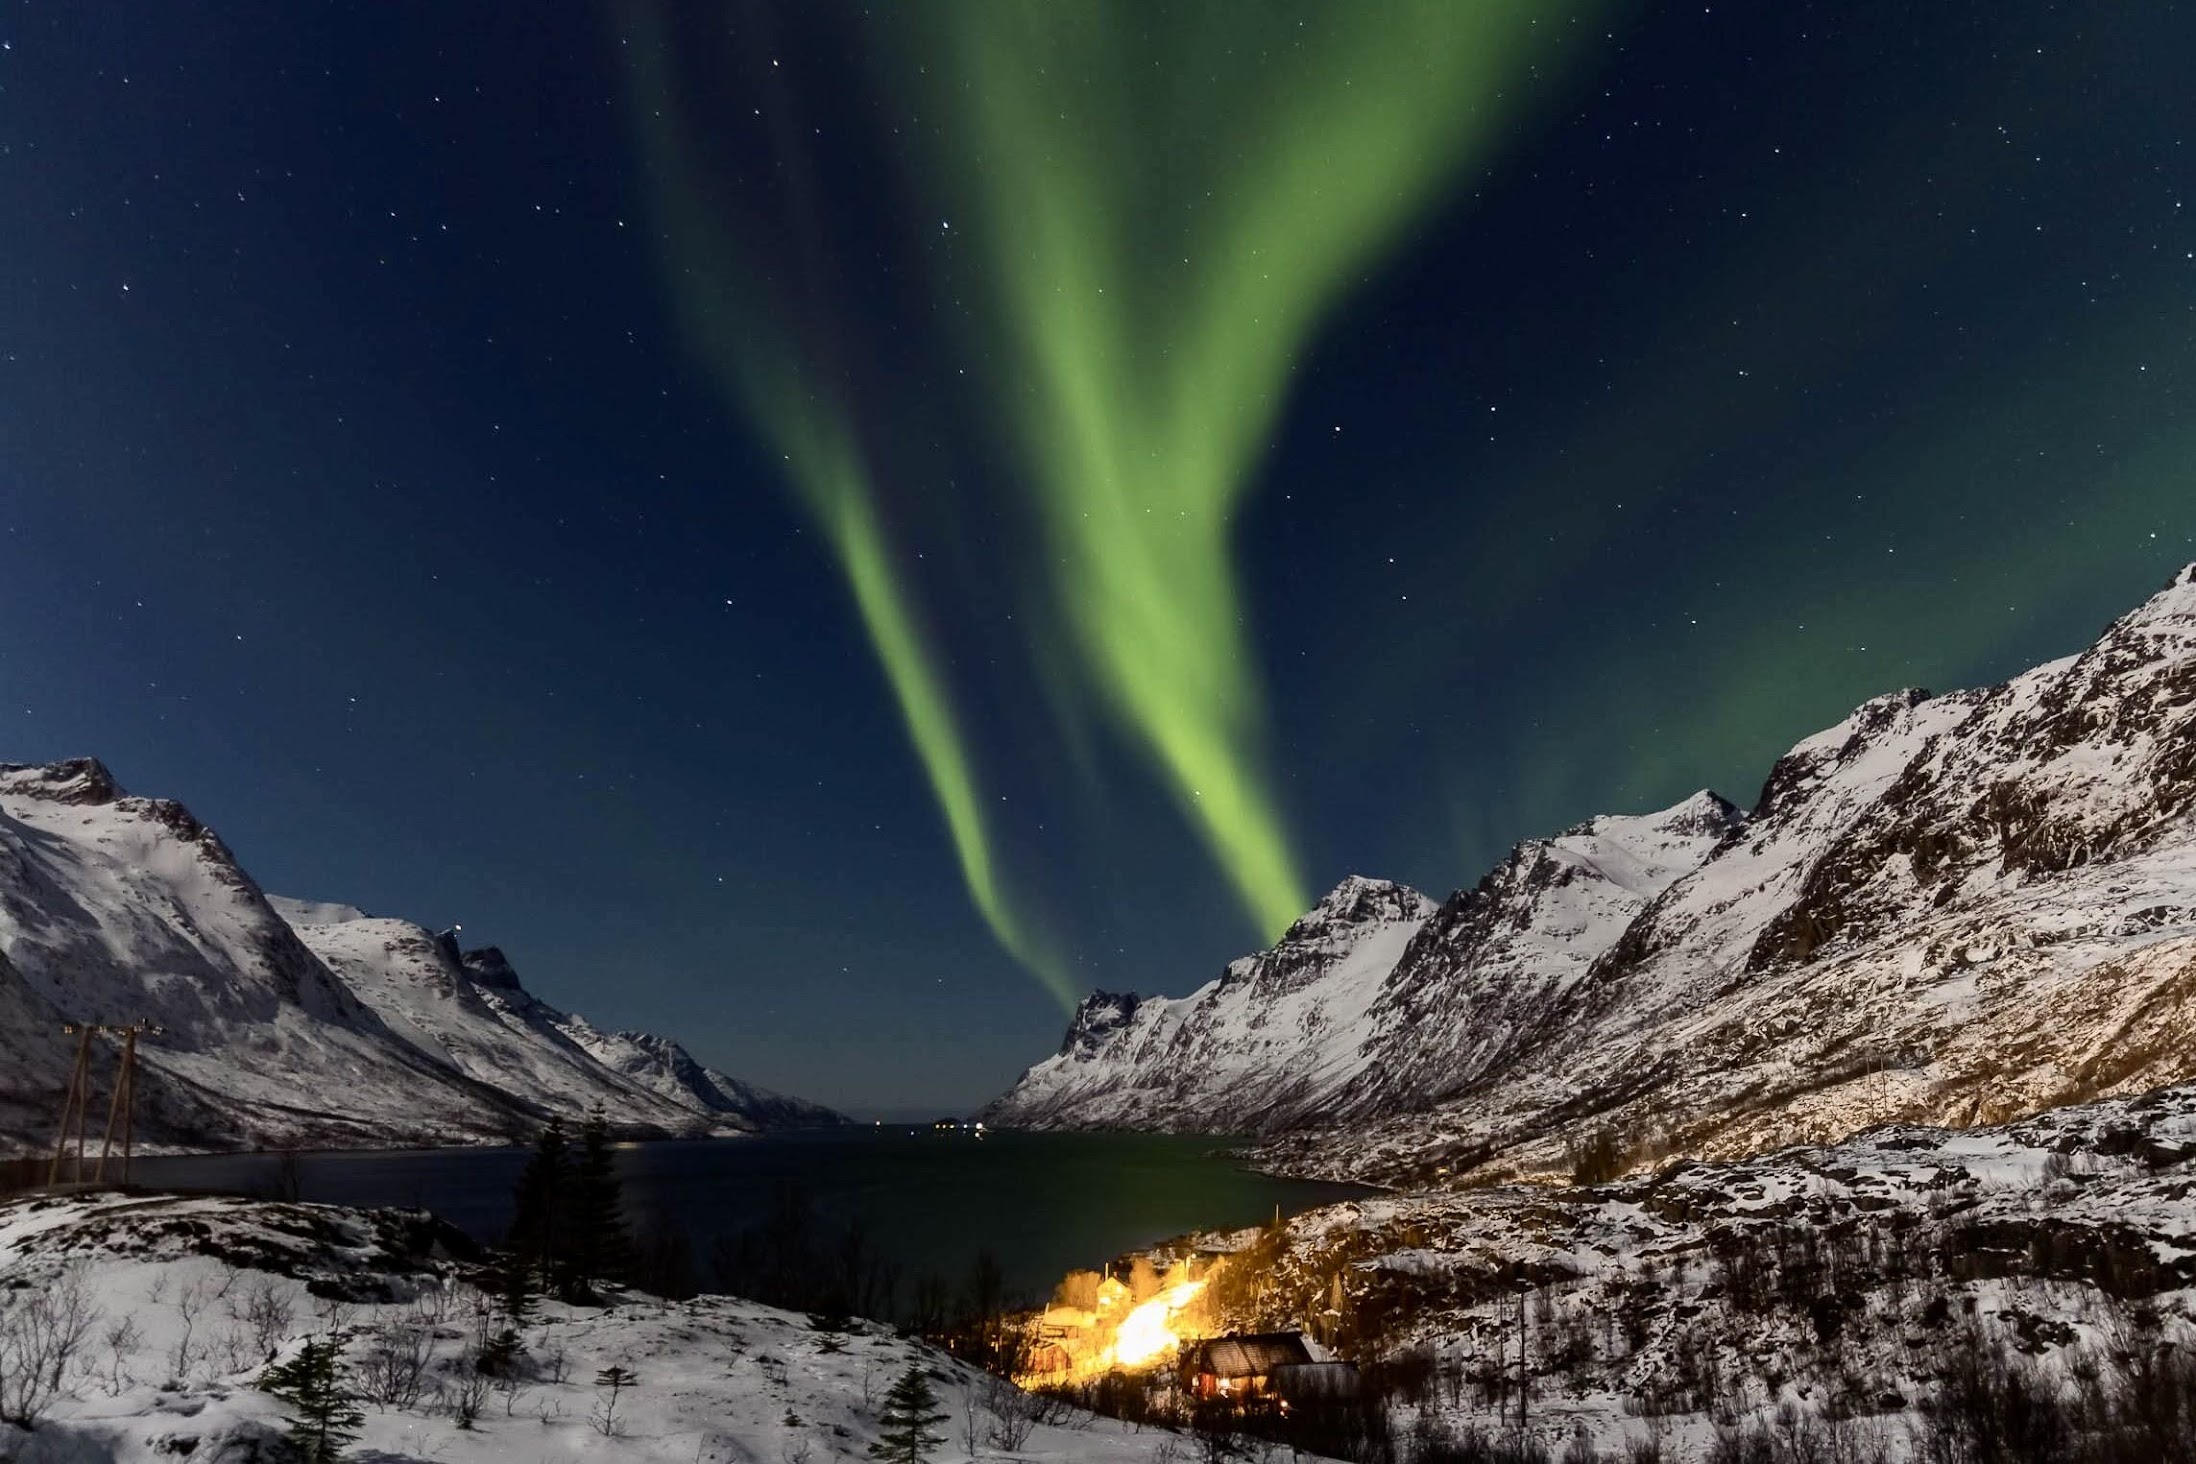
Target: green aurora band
pixel 1162 204
pixel 1166 202
pixel 754 358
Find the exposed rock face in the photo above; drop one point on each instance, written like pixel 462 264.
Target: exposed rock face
pixel 283 1023
pixel 1949 909
pixel 1097 1018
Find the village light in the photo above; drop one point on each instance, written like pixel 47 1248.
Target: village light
pixel 1145 1332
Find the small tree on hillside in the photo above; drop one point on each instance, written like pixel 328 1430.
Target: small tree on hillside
pixel 324 1414
pixel 613 1380
pixel 906 1431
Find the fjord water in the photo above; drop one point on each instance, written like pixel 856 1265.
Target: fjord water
pixel 1042 1203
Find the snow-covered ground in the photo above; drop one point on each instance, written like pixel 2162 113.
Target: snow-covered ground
pixel 191 1297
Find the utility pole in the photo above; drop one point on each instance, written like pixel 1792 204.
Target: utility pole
pixel 121 1105
pixel 1524 1381
pixel 72 1106
pixel 124 1103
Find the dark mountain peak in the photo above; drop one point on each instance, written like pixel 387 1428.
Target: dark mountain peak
pixel 1097 1017
pixel 1707 814
pixel 1880 713
pixel 77 780
pixel 1360 900
pixel 489 967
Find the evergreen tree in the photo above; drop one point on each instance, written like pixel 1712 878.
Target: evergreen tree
pixel 905 1429
pixel 539 1208
pixel 601 1248
pixel 324 1415
pixel 515 1289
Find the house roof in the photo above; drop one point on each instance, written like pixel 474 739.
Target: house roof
pixel 1248 1356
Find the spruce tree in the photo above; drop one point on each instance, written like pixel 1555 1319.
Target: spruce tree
pixel 601 1249
pixel 905 1429
pixel 515 1289
pixel 539 1208
pixel 324 1415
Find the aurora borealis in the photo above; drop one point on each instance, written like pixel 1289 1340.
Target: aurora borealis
pixel 806 517
pixel 1146 264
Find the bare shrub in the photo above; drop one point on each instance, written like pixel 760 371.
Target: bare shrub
pixel 119 1342
pixel 41 1331
pixel 266 1307
pixel 231 1349
pixel 510 1387
pixel 393 1368
pixel 190 1350
pixel 465 1394
pixel 1012 1414
pixel 336 1315
pixel 971 1433
pixel 433 1306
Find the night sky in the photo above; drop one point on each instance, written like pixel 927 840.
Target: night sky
pixel 829 530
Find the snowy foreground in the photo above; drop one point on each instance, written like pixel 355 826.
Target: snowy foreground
pixel 191 1297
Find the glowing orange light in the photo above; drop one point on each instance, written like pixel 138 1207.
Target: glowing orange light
pixel 1147 1333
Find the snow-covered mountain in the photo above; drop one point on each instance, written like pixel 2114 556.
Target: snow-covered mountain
pixel 1948 909
pixel 468 1009
pixel 1377 999
pixel 284 1022
pixel 1268 1043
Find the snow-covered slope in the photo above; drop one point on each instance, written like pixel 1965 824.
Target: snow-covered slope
pixel 1376 1000
pixel 1949 909
pixel 661 1066
pixel 185 1300
pixel 1499 964
pixel 468 1009
pixel 1270 1041
pixel 335 1029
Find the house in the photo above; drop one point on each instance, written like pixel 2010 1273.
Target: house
pixel 1301 1384
pixel 1241 1367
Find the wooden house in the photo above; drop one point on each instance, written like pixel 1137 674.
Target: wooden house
pixel 1242 1367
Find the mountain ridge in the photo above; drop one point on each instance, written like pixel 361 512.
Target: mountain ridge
pixel 116 908
pixel 1872 942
